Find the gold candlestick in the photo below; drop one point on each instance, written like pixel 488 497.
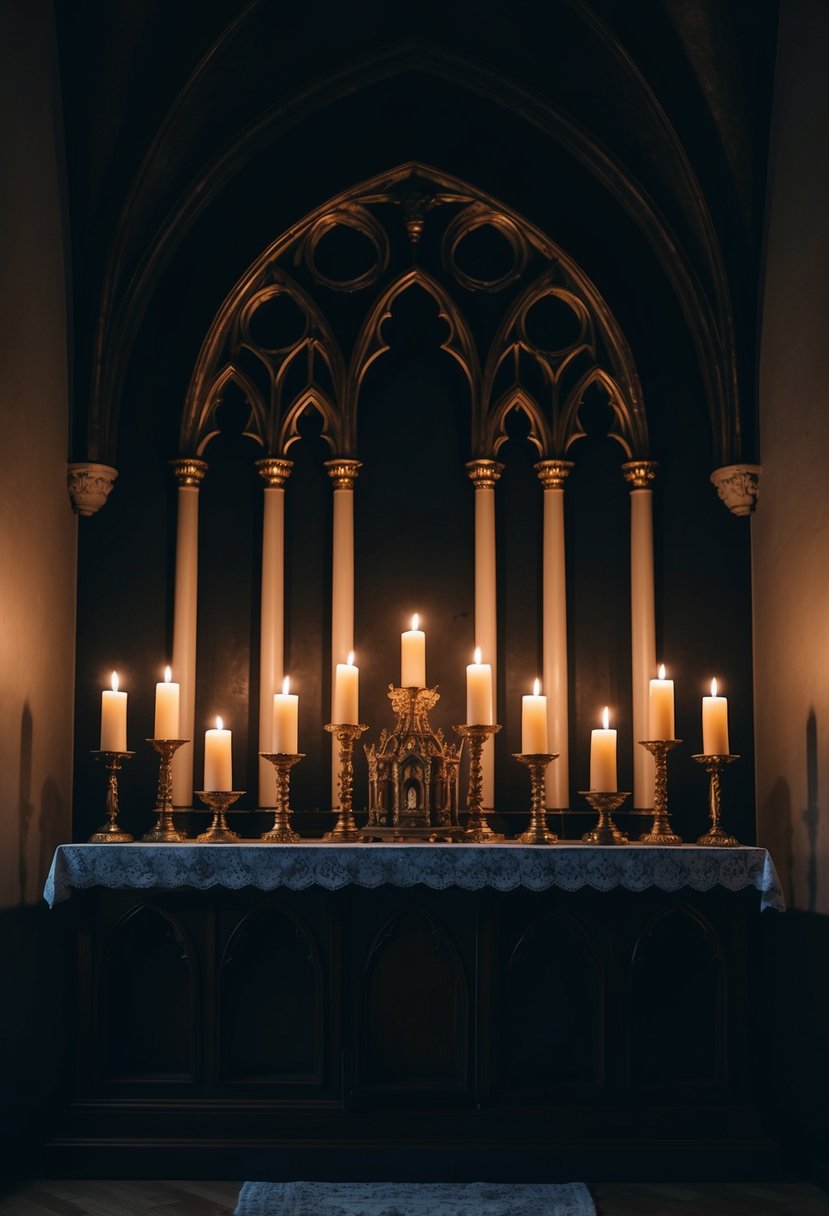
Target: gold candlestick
pixel 111 832
pixel 282 831
pixel 165 830
pixel 715 835
pixel 537 763
pixel 661 831
pixel 605 803
pixel 477 829
pixel 347 733
pixel 219 801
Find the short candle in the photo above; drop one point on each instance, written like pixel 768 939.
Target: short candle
pixel 347 693
pixel 661 723
pixel 218 759
pixel 603 757
pixel 478 692
pixel 167 708
pixel 113 718
pixel 534 722
pixel 413 656
pixel 285 720
pixel 714 723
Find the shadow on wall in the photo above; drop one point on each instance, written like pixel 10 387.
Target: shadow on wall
pixel 26 808
pixel 50 821
pixel 811 815
pixel 778 834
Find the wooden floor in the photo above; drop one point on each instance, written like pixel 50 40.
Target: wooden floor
pixel 219 1198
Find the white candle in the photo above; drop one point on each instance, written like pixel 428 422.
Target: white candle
pixel 285 718
pixel 113 718
pixel 714 724
pixel 167 708
pixel 347 693
pixel 661 707
pixel 478 692
pixel 218 759
pixel 534 722
pixel 413 656
pixel 603 757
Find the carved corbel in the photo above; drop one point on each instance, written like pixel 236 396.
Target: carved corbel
pixel 89 485
pixel 738 485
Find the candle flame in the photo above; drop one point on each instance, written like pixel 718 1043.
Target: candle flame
pixel 350 660
pixel 168 674
pixel 219 723
pixel 115 681
pixel 536 687
pixel 662 671
pixel 477 654
pixel 416 621
pixel 286 684
pixel 606 718
pixel 714 687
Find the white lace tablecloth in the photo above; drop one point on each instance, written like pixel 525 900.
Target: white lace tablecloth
pixel 501 867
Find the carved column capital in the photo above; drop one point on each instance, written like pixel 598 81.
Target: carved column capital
pixel 275 471
pixel 188 471
pixel 343 472
pixel 89 485
pixel 484 473
pixel 639 474
pixel 553 473
pixel 738 486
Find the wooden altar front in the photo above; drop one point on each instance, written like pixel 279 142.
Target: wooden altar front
pixel 414 1011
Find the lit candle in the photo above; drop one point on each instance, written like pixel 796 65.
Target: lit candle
pixel 167 708
pixel 534 722
pixel 413 656
pixel 347 693
pixel 661 707
pixel 113 718
pixel 218 759
pixel 714 724
pixel 603 757
pixel 285 716
pixel 478 692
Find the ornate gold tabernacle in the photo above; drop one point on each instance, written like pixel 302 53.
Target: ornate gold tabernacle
pixel 413 774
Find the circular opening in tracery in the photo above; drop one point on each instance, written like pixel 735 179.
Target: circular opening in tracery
pixel 345 257
pixel 485 255
pixel 552 324
pixel 276 323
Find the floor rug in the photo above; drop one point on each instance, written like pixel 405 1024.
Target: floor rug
pixel 414 1199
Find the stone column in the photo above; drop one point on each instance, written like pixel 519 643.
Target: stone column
pixel 189 475
pixel 640 474
pixel 552 474
pixel 274 471
pixel 484 474
pixel 343 473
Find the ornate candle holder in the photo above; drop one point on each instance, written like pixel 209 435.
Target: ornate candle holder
pixel 661 831
pixel 282 832
pixel 477 829
pixel 219 801
pixel 165 831
pixel 605 803
pixel 111 832
pixel 537 763
pixel 715 835
pixel 345 828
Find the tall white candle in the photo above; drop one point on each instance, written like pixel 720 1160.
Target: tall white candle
pixel 661 707
pixel 218 759
pixel 413 656
pixel 534 722
pixel 167 708
pixel 603 757
pixel 715 724
pixel 113 718
pixel 285 720
pixel 347 693
pixel 478 692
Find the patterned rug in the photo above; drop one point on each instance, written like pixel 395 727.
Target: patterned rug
pixel 414 1199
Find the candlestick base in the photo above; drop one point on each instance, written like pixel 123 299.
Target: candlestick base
pixel 605 803
pixel 219 801
pixel 111 831
pixel 716 836
pixel 164 830
pixel 661 831
pixel 477 830
pixel 345 829
pixel 537 763
pixel 282 832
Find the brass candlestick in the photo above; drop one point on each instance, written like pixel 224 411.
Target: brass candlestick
pixel 661 831
pixel 111 832
pixel 219 801
pixel 282 832
pixel 477 829
pixel 715 835
pixel 537 763
pixel 164 830
pixel 347 733
pixel 605 803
